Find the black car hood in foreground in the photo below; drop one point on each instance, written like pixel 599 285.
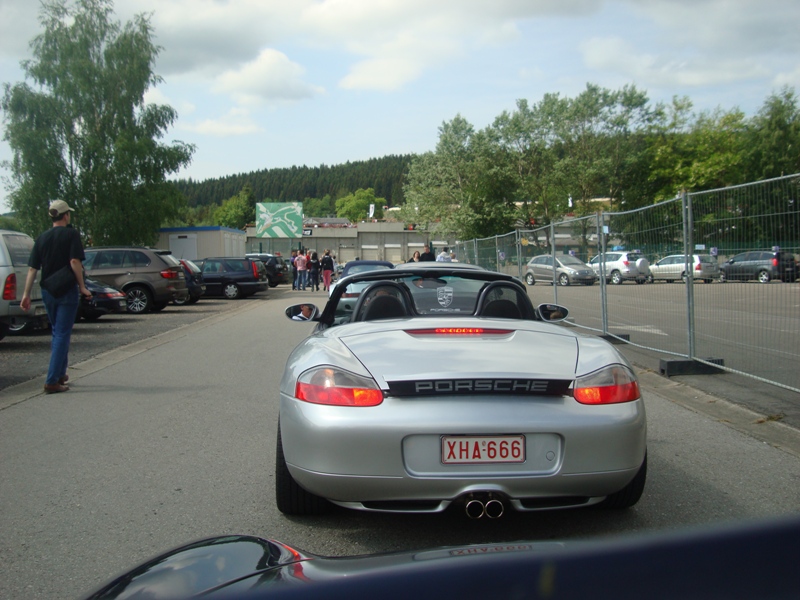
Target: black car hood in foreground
pixel 755 560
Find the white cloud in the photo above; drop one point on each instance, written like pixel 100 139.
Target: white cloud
pixel 270 77
pixel 614 55
pixel 236 122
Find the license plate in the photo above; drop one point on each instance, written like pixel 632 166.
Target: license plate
pixel 39 311
pixel 483 449
pixel 123 303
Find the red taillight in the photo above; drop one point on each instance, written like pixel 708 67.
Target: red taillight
pixel 698 267
pixel 625 262
pixel 459 331
pixel 169 274
pixel 337 388
pixel 774 262
pixel 10 287
pixel 611 385
pixel 255 268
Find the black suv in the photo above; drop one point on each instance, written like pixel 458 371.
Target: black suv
pixel 150 278
pixel 277 269
pixel 233 277
pixel 760 265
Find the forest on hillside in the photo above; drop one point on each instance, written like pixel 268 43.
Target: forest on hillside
pixel 384 175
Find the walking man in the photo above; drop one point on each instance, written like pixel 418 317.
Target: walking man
pixel 57 248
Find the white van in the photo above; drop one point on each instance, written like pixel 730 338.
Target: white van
pixel 15 250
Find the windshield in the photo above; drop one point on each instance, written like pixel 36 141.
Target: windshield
pixel 571 261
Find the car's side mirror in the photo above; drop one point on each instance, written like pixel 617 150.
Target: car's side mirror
pixel 302 312
pixel 552 312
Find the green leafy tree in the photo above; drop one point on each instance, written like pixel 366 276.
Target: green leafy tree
pixel 236 212
pixel 83 133
pixel 774 137
pixel 356 206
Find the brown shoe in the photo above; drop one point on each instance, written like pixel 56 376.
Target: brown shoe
pixel 55 388
pixel 63 380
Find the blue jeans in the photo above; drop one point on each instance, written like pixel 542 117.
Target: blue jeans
pixel 302 279
pixel 61 312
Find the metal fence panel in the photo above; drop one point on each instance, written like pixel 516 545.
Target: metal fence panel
pixel 749 316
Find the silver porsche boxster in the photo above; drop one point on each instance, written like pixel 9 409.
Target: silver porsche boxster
pixel 442 384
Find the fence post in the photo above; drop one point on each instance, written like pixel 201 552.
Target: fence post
pixel 601 237
pixel 688 263
pixel 553 257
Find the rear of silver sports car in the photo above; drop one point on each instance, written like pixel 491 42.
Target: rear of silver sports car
pixel 413 415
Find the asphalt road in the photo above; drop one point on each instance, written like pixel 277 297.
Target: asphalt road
pixel 171 438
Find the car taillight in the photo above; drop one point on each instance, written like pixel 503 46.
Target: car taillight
pixel 255 268
pixel 610 385
pixel 10 287
pixel 335 387
pixel 108 295
pixel 698 267
pixel 774 262
pixel 169 274
pixel 625 262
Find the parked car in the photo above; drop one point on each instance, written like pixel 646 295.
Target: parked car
pixel 233 277
pixel 150 278
pixel 15 250
pixel 760 265
pixel 395 406
pixel 359 266
pixel 621 266
pixel 277 269
pixel 194 283
pixel 105 300
pixel 570 269
pixel 673 268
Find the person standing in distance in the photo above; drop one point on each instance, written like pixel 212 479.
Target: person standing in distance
pixel 427 255
pixel 54 249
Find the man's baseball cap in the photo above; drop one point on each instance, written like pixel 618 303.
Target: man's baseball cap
pixel 59 207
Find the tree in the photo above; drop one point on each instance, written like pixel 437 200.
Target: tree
pixel 236 212
pixel 356 206
pixel 83 132
pixel 774 136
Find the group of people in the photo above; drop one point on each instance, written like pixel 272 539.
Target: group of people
pixel 444 256
pixel 309 269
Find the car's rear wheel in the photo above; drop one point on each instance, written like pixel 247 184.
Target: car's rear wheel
pixel 630 494
pixel 290 497
pixel 139 299
pixel 763 277
pixel 21 328
pixel 182 301
pixel 231 291
pixel 529 279
pixel 616 278
pixel 563 279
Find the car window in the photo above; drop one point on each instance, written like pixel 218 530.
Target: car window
pixel 364 268
pixel 19 248
pixel 90 256
pixel 568 260
pixel 213 266
pixel 170 260
pixel 237 265
pixel 137 259
pixel 109 259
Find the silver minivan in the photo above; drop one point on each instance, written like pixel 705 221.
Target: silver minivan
pixel 673 268
pixel 15 250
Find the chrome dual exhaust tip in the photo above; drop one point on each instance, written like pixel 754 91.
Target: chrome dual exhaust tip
pixel 491 508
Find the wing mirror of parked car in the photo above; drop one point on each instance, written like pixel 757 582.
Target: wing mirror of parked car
pixel 302 312
pixel 552 312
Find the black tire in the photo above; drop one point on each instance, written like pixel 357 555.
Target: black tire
pixel 90 316
pixel 563 279
pixel 763 276
pixel 289 496
pixel 708 281
pixel 616 278
pixel 21 329
pixel 529 279
pixel 273 282
pixel 159 306
pixel 193 299
pixel 182 301
pixel 140 300
pixel 630 494
pixel 231 291
pixel 3 330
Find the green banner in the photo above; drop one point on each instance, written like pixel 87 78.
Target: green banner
pixel 279 220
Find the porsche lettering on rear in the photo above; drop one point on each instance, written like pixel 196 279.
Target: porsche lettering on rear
pixel 479 386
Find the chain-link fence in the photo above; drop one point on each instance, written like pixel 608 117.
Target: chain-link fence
pixel 710 276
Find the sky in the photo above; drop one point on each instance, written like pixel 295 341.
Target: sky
pixel 263 84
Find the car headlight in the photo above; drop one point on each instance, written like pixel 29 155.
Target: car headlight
pixel 335 387
pixel 610 385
